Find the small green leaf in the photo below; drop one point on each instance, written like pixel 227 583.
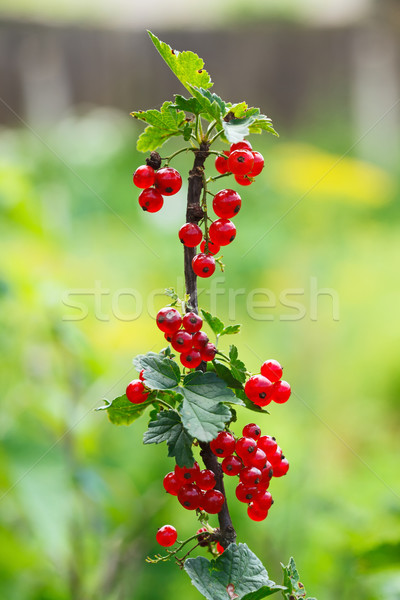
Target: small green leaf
pixel 167 427
pixel 187 66
pixel 160 373
pixel 295 590
pixel 230 330
pixel 215 324
pixel 262 123
pixel 211 104
pixel 237 573
pixel 187 132
pixel 225 373
pixel 163 124
pixel 122 412
pixel 190 105
pixel 238 368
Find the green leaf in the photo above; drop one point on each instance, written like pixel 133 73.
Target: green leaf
pixel 262 123
pixel 225 373
pixel 237 129
pixel 167 427
pixel 122 412
pixel 163 124
pixel 295 590
pixel 160 373
pixel 187 66
pixel 210 103
pixel 215 324
pixel 237 366
pixel 190 105
pixel 237 573
pixel 231 330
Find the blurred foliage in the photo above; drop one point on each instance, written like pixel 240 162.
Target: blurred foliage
pixel 82 271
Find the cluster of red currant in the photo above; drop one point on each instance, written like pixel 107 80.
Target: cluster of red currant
pixel 194 488
pixel 262 389
pixel 167 535
pixel 155 185
pixel 241 160
pixel 184 335
pixel 255 458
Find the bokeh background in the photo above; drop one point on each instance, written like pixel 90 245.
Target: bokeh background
pixel 313 275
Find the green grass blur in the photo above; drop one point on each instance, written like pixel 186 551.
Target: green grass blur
pixel 81 499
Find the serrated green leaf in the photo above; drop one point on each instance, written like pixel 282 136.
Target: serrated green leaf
pixel 187 132
pixel 225 373
pixel 262 123
pixel 234 574
pixel 187 66
pixel 167 427
pixel 231 330
pixel 160 373
pixel 163 124
pixel 236 130
pixel 122 412
pixel 215 323
pixel 295 590
pixel 211 104
pixel 190 105
pixel 238 368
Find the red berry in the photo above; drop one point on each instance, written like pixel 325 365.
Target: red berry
pixel 168 181
pixel 272 370
pixel 168 337
pixel 200 339
pixel 220 549
pixel 205 479
pixel 256 459
pixel 144 177
pixel 244 179
pixel 171 483
pixel 203 536
pixel 263 500
pixel 141 375
pixel 190 496
pixel 232 465
pixel 211 249
pixel 246 493
pixel 222 232
pixel 266 474
pixel 243 145
pixel 187 474
pixel 182 341
pixel 227 203
pixel 258 164
pixel 221 164
pixel 281 468
pixel 203 265
pixel 256 514
pixel 190 235
pixel 208 352
pixel 223 445
pixel 213 501
pixel 245 446
pixel 136 393
pixel 276 457
pixel 168 320
pixel 191 359
pixel 268 444
pixel 166 536
pixel 258 389
pixel 281 392
pixel 240 162
pixel 192 322
pixel 150 200
pixel 250 476
pixel 251 431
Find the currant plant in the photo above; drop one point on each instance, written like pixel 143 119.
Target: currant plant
pixel 192 387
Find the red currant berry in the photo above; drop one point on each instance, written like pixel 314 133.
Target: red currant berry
pixel 276 457
pixel 250 476
pixel 245 446
pixel 187 474
pixel 268 444
pixel 222 232
pixel 223 445
pixel 243 145
pixel 281 392
pixel 208 352
pixel 192 322
pixel 144 177
pixel 171 483
pixel 281 468
pixel 213 501
pixel 141 375
pixel 266 474
pixel 168 337
pixel 256 514
pixel 203 265
pixel 190 496
pixel 191 359
pixel 258 164
pixel 246 493
pixel 221 164
pixel 203 536
pixel 263 500
pixel 150 200
pixel 166 536
pixel 205 479
pixel 244 180
pixel 211 249
pixel 227 203
pixel 190 235
pixel 240 162
pixel 220 549
pixel 182 341
pixel 272 370
pixel 168 181
pixel 168 320
pixel 258 389
pixel 136 393
pixel 251 431
pixel 232 465
pixel 200 339
pixel 256 459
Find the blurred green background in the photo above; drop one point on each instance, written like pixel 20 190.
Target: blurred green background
pixel 82 270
